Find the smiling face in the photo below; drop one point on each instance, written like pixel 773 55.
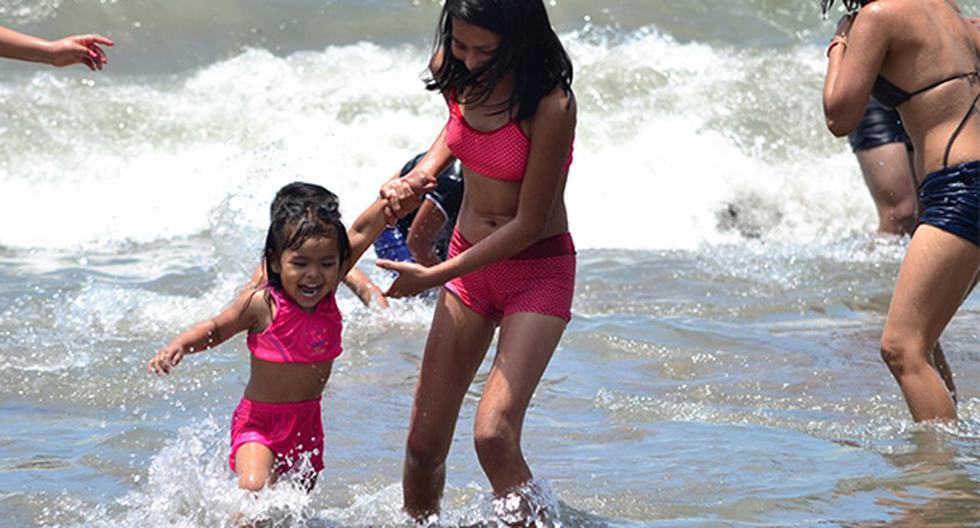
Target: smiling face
pixel 473 45
pixel 310 271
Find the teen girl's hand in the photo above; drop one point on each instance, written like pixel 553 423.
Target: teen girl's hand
pixel 412 278
pixel 167 358
pixel 401 200
pixel 80 49
pixel 404 194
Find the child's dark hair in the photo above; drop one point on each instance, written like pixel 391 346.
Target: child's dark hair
pixel 300 211
pixel 529 48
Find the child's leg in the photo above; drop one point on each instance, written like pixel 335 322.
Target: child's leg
pixel 254 464
pixel 527 342
pixel 938 271
pixel 458 341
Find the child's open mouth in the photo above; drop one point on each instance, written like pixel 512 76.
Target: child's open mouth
pixel 308 291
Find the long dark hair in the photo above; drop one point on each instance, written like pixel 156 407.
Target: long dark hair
pixel 529 48
pixel 300 211
pixel 849 5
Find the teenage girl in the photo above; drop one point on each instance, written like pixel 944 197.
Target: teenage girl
pixel 294 331
pixel 507 82
pixel 920 57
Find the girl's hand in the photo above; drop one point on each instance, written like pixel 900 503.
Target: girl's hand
pixel 80 49
pixel 167 358
pixel 401 200
pixel 378 299
pixel 412 278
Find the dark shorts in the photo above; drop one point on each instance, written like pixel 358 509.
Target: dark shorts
pixel 949 199
pixel 879 126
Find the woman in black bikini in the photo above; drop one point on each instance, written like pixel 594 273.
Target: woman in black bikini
pixel 929 45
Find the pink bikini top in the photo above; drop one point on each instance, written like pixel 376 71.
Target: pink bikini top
pixel 297 336
pixel 500 154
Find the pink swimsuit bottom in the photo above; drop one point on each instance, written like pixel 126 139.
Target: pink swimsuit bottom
pixel 540 279
pixel 289 430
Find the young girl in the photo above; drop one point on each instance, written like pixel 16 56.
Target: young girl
pixel 507 81
pixel 294 330
pixel 922 58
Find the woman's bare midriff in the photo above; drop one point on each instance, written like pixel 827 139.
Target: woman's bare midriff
pixel 286 382
pixel 488 204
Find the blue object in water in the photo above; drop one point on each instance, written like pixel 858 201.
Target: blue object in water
pixel 391 245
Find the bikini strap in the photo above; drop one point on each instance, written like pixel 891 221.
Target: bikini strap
pixel 944 81
pixel 956 133
pixel 453 104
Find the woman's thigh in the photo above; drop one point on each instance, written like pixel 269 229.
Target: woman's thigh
pixel 937 274
pixel 527 343
pixel 457 343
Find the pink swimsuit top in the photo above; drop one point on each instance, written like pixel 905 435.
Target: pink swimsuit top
pixel 297 336
pixel 500 154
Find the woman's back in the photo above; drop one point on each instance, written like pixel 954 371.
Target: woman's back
pixel 929 41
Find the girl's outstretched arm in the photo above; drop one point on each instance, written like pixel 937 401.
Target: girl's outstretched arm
pixel 247 312
pixel 363 231
pixel 77 49
pixel 365 289
pixel 404 193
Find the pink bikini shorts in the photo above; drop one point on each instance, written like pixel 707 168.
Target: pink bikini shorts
pixel 540 279
pixel 288 429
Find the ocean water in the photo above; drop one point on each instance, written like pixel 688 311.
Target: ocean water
pixel 721 368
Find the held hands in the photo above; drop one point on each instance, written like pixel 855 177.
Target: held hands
pixel 167 358
pixel 412 278
pixel 401 199
pixel 80 49
pixel 404 194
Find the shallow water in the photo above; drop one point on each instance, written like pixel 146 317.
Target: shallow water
pixel 721 368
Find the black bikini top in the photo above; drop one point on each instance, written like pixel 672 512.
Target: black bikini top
pixel 890 96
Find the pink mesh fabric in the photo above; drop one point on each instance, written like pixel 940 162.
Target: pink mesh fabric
pixel 288 429
pixel 540 279
pixel 500 154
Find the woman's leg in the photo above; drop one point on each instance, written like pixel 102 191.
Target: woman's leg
pixel 527 342
pixel 938 272
pixel 887 171
pixel 457 342
pixel 254 463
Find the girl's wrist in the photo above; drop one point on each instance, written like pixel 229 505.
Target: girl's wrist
pixel 420 182
pixel 838 40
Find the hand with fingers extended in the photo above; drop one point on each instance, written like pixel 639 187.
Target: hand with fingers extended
pixel 412 278
pixel 80 49
pixel 166 359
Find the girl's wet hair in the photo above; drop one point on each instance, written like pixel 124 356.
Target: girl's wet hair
pixel 301 211
pixel 849 5
pixel 529 48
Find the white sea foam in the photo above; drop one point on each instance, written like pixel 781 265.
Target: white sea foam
pixel 667 155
